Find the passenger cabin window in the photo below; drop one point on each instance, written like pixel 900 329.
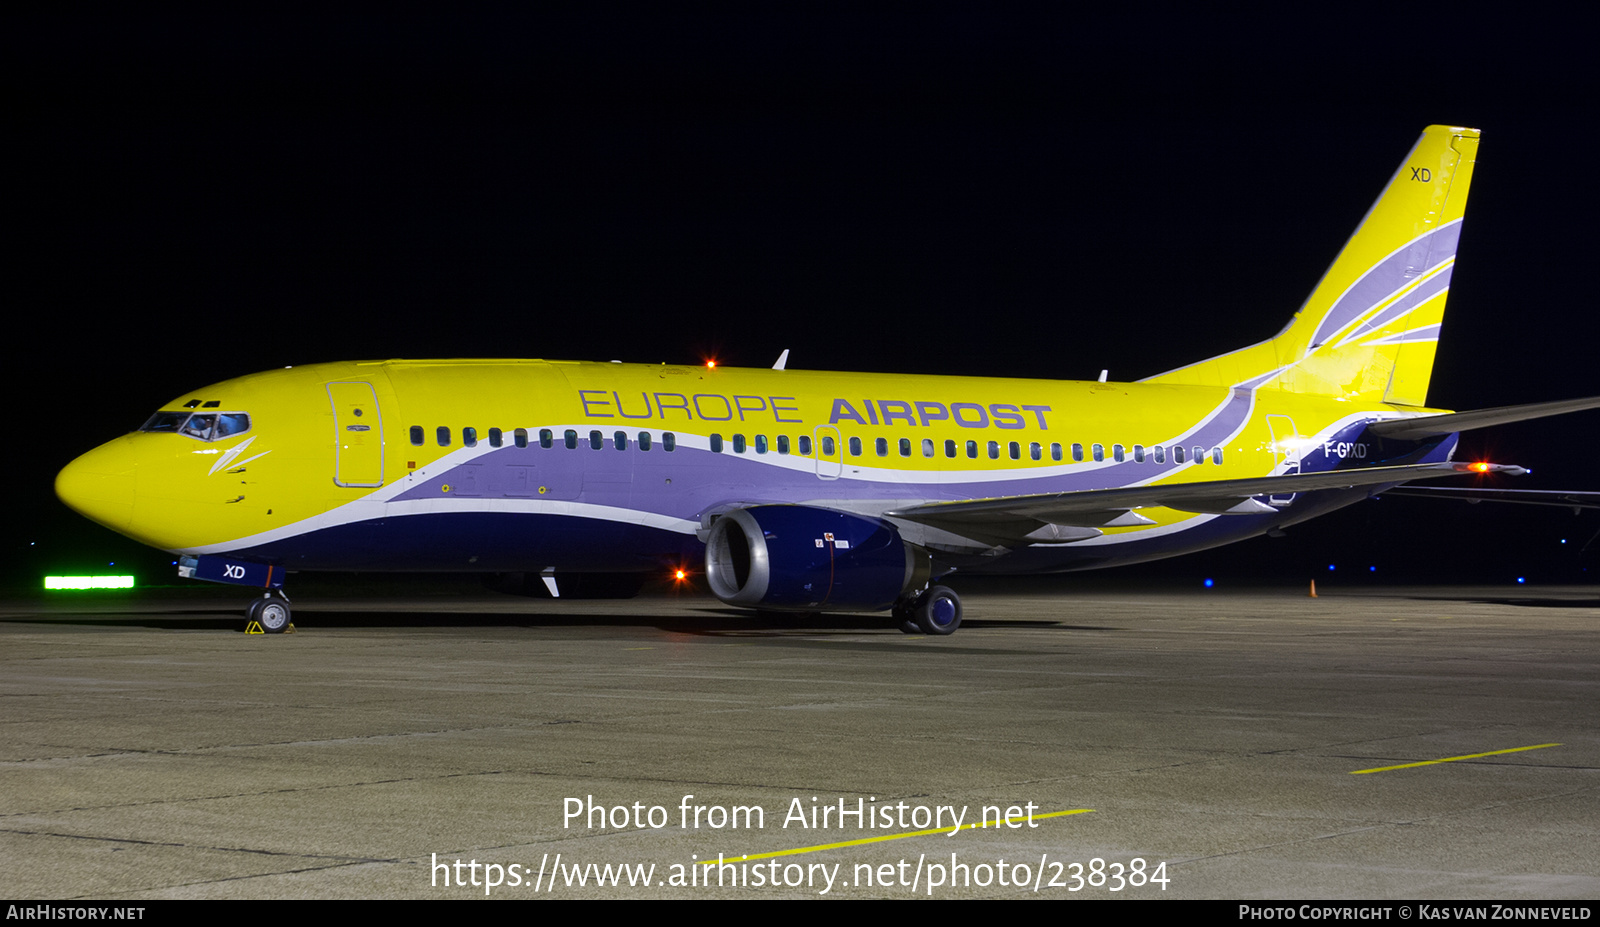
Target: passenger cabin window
pixel 1099 452
pixel 669 441
pixel 644 440
pixel 1161 454
pixel 1216 455
pixel 761 444
pixel 949 447
pixel 442 434
pixel 881 445
pixel 1177 453
pixel 1199 454
pixel 416 435
pixel 496 438
pixel 927 447
pixel 716 444
pixel 783 444
pixel 738 444
pixel 1035 451
pixel 805 445
pixel 469 437
pixel 620 440
pixel 855 447
pixel 994 450
pixel 569 438
pixel 905 447
pixel 1077 453
pixel 1117 453
pixel 1055 452
pixel 595 440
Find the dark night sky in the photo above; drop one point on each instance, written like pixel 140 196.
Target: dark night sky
pixel 962 191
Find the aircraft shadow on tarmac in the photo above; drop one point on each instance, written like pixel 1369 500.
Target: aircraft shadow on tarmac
pixel 1537 602
pixel 709 621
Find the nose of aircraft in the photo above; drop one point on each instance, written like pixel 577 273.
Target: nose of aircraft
pixel 99 485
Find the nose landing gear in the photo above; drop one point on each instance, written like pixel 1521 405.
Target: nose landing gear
pixel 269 614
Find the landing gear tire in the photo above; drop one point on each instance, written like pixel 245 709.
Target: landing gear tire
pixel 938 611
pixel 271 612
pixel 905 620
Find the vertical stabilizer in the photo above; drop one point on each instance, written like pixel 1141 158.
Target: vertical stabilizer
pixel 1370 328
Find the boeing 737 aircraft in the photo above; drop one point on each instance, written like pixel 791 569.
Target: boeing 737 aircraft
pixel 812 491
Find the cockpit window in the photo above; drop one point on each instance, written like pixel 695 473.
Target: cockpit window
pixel 165 421
pixel 200 426
pixel 230 424
pixel 207 426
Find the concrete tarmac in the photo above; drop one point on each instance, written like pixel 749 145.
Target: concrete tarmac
pixel 1211 742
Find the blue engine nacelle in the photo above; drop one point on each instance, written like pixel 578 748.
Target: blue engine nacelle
pixel 808 559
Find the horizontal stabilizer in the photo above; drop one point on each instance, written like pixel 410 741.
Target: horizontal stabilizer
pixel 1017 516
pixel 1565 499
pixel 1450 423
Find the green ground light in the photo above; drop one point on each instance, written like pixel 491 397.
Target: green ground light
pixel 88 582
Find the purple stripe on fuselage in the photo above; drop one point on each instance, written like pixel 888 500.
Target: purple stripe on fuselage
pixel 1389 276
pixel 1255 382
pixel 685 482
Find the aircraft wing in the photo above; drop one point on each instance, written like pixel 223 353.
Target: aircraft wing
pixel 1574 500
pixel 1013 518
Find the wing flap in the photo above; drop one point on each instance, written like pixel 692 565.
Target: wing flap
pixel 1015 517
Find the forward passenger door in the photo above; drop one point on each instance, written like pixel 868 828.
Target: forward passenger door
pixel 358 434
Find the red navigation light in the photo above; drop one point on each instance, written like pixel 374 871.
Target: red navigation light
pixel 1479 468
pixel 711 364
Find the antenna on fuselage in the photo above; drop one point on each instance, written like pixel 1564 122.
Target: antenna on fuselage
pixel 782 359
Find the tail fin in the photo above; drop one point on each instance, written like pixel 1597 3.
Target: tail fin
pixel 1370 328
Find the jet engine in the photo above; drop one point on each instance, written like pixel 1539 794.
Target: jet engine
pixel 795 557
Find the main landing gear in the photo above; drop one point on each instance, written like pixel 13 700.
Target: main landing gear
pixel 270 613
pixel 935 611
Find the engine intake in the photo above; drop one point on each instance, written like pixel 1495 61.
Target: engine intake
pixel 808 559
